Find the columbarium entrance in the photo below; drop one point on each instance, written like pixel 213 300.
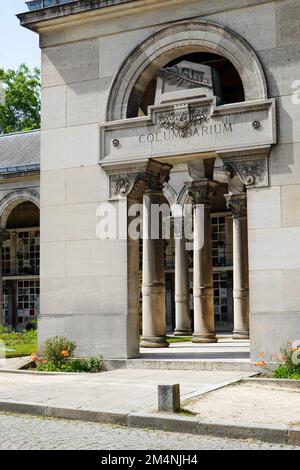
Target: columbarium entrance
pixel 192 129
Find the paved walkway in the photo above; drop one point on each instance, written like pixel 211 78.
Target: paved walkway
pixel 123 390
pixel 18 432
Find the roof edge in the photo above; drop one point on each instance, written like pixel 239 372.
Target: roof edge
pixel 32 18
pixel 19 133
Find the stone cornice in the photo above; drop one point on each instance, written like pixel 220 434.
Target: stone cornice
pixel 84 10
pixel 80 11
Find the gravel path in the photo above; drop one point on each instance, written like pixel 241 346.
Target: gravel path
pixel 249 403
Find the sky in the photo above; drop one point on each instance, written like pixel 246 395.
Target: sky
pixel 17 44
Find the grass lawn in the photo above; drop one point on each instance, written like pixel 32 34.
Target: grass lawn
pixel 179 339
pixel 17 344
pixel 20 350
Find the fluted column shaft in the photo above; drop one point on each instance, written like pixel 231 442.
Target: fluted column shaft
pixel 238 204
pixel 201 193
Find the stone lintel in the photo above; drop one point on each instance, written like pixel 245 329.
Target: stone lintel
pixel 200 128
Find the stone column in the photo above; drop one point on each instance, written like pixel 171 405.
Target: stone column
pixel 182 309
pixel 238 205
pixel 201 193
pixel 3 236
pixel 153 288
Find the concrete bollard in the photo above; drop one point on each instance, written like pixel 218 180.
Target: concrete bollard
pixel 169 398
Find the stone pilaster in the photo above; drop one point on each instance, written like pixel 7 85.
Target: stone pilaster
pixel 238 205
pixel 153 288
pixel 201 193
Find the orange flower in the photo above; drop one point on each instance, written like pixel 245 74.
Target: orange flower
pixel 65 353
pixel 45 361
pixel 262 363
pixel 261 354
pixel 34 357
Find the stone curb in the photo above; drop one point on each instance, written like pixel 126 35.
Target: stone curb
pixel 281 382
pixel 279 434
pixel 41 372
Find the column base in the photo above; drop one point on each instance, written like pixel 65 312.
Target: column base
pixel 183 333
pixel 154 342
pixel 198 338
pixel 240 335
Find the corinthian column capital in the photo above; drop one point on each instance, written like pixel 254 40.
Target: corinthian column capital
pixel 134 183
pixel 237 203
pixel 202 191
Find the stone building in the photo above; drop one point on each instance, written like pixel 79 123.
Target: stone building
pixel 190 103
pixel 20 228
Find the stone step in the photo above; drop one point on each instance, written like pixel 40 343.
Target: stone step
pixel 169 364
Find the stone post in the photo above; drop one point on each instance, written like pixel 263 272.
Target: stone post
pixel 201 193
pixel 153 288
pixel 238 205
pixel 3 236
pixel 182 310
pixel 169 398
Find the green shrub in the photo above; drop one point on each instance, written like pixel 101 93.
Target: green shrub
pixel 94 364
pixel 58 350
pixel 283 372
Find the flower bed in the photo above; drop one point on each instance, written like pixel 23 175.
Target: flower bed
pixel 57 355
pixel 289 363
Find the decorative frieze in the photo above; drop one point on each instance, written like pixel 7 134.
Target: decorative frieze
pixel 251 172
pixel 151 177
pixel 183 117
pixel 121 185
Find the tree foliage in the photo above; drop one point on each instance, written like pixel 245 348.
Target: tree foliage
pixel 20 102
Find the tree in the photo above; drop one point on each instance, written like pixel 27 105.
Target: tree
pixel 20 102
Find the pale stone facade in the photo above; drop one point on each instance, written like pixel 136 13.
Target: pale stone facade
pixel 97 60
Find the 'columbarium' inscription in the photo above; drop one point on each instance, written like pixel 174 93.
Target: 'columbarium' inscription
pixel 173 134
pixel 180 128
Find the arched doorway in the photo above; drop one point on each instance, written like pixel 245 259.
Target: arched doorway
pixel 240 86
pixel 179 40
pixel 20 261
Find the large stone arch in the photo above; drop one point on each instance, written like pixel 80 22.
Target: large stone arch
pixel 13 199
pixel 173 41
